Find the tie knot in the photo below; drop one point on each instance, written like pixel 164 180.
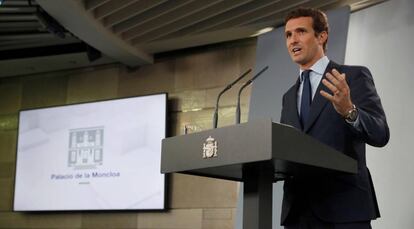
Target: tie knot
pixel 305 74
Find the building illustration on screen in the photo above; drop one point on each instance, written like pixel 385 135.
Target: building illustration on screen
pixel 86 147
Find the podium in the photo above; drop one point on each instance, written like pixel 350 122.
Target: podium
pixel 257 153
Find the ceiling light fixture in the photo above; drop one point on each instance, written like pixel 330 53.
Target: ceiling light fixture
pixel 262 31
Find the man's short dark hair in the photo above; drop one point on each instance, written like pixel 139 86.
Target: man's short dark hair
pixel 320 21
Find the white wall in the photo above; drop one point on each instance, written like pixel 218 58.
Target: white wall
pixel 381 37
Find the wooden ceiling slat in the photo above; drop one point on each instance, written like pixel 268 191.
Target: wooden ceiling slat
pixel 354 4
pixel 191 19
pixel 37 41
pixel 34 43
pixel 23 36
pixel 220 18
pixel 130 11
pixel 148 15
pixel 255 15
pixel 18 3
pixel 191 8
pixel 20 24
pixel 92 4
pixel 198 39
pixel 17 9
pixel 18 17
pixel 111 7
pixel 278 17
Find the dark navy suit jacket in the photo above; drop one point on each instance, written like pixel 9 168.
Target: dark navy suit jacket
pixel 338 198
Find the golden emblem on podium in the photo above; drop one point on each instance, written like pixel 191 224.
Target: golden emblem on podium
pixel 210 148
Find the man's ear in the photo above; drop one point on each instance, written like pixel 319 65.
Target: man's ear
pixel 322 37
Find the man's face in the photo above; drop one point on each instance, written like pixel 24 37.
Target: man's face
pixel 303 46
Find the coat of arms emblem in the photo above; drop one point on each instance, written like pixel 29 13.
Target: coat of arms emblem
pixel 86 147
pixel 210 148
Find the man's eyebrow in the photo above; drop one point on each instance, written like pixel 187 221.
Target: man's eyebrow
pixel 300 29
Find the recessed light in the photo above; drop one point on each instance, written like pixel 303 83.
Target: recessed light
pixel 262 31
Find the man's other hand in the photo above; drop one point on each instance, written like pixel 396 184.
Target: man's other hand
pixel 341 95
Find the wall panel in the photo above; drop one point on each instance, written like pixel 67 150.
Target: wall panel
pixel 41 91
pixel 91 85
pixel 192 78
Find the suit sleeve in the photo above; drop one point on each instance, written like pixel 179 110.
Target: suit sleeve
pixel 373 128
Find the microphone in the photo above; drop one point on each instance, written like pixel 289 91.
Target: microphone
pixel 215 117
pixel 247 83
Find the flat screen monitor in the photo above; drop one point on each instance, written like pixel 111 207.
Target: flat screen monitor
pixel 101 155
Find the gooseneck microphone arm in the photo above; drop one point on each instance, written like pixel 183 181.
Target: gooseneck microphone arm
pixel 247 83
pixel 215 117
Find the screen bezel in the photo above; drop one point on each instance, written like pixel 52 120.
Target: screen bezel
pixel 165 206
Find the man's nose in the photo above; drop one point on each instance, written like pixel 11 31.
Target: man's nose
pixel 294 38
pixel 292 41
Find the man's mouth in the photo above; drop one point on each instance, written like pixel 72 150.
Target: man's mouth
pixel 296 50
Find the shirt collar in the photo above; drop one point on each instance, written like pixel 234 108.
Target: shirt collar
pixel 319 67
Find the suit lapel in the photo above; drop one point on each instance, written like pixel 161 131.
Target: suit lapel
pixel 319 102
pixel 292 98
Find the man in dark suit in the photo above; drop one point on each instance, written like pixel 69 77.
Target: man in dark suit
pixel 339 106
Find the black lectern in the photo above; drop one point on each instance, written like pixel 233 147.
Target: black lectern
pixel 257 153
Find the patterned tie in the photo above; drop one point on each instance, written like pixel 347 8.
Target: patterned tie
pixel 306 98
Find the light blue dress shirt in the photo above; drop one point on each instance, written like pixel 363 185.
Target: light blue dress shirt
pixel 315 77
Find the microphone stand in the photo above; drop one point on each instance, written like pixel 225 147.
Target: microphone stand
pixel 247 83
pixel 215 117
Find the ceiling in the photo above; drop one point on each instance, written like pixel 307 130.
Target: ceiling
pixel 48 35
